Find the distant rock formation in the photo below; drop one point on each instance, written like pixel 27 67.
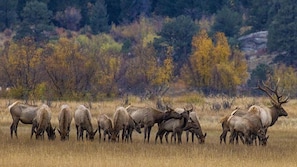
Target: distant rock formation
pixel 254 47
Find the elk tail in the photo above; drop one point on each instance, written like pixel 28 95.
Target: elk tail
pixel 13 104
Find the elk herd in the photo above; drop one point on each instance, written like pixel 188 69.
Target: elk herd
pixel 248 125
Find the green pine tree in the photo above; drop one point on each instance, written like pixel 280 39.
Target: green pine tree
pixel 282 32
pixel 99 18
pixel 8 15
pixel 36 21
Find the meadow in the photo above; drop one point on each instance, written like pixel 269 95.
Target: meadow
pixel 281 149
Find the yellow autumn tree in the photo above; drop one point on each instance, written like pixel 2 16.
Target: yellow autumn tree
pixel 144 70
pixel 164 72
pixel 24 67
pixel 220 57
pixel 213 65
pixel 200 61
pixel 287 77
pixel 65 66
pixel 141 66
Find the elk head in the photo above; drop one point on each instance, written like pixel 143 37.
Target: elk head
pixel 276 99
pixel 91 135
pixel 170 113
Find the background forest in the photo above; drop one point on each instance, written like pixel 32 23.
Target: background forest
pixel 93 49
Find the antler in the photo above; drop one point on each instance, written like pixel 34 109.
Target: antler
pixel 265 88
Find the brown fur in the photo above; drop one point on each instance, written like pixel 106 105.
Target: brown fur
pixel 21 112
pixel 248 125
pixel 195 129
pixel 65 119
pixel 83 121
pixel 174 125
pixel 42 119
pixel 104 123
pixel 120 123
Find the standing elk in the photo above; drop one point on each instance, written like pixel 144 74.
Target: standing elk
pixel 174 125
pixel 42 123
pixel 65 119
pixel 83 121
pixel 267 115
pixel 195 129
pixel 21 112
pixel 148 116
pixel 120 123
pixel 26 114
pixel 249 125
pixel 104 123
pixel 132 124
pixel 193 126
pixel 225 126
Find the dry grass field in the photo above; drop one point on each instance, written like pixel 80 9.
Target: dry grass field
pixel 280 151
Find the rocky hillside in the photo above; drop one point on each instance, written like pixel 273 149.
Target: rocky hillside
pixel 254 46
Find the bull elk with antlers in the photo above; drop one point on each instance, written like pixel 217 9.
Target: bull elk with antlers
pixel 267 115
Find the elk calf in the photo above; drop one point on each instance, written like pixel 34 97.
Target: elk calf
pixel 104 123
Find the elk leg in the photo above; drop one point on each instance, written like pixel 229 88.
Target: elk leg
pixel 12 128
pixel 32 130
pixel 241 138
pixel 223 136
pixel 179 133
pixel 231 138
pixel 99 133
pixel 148 133
pixel 172 137
pixel 77 132
pixel 145 133
pixel 166 136
pixel 130 135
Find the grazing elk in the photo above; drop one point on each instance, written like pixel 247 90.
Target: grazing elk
pixel 132 124
pixel 65 119
pixel 195 129
pixel 148 116
pixel 225 126
pixel 193 126
pixel 120 123
pixel 42 123
pixel 267 115
pixel 21 112
pixel 104 123
pixel 174 125
pixel 249 125
pixel 83 121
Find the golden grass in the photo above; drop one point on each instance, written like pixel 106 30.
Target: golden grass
pixel 280 151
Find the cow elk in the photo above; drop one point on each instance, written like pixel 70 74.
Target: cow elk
pixel 83 122
pixel 65 119
pixel 105 124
